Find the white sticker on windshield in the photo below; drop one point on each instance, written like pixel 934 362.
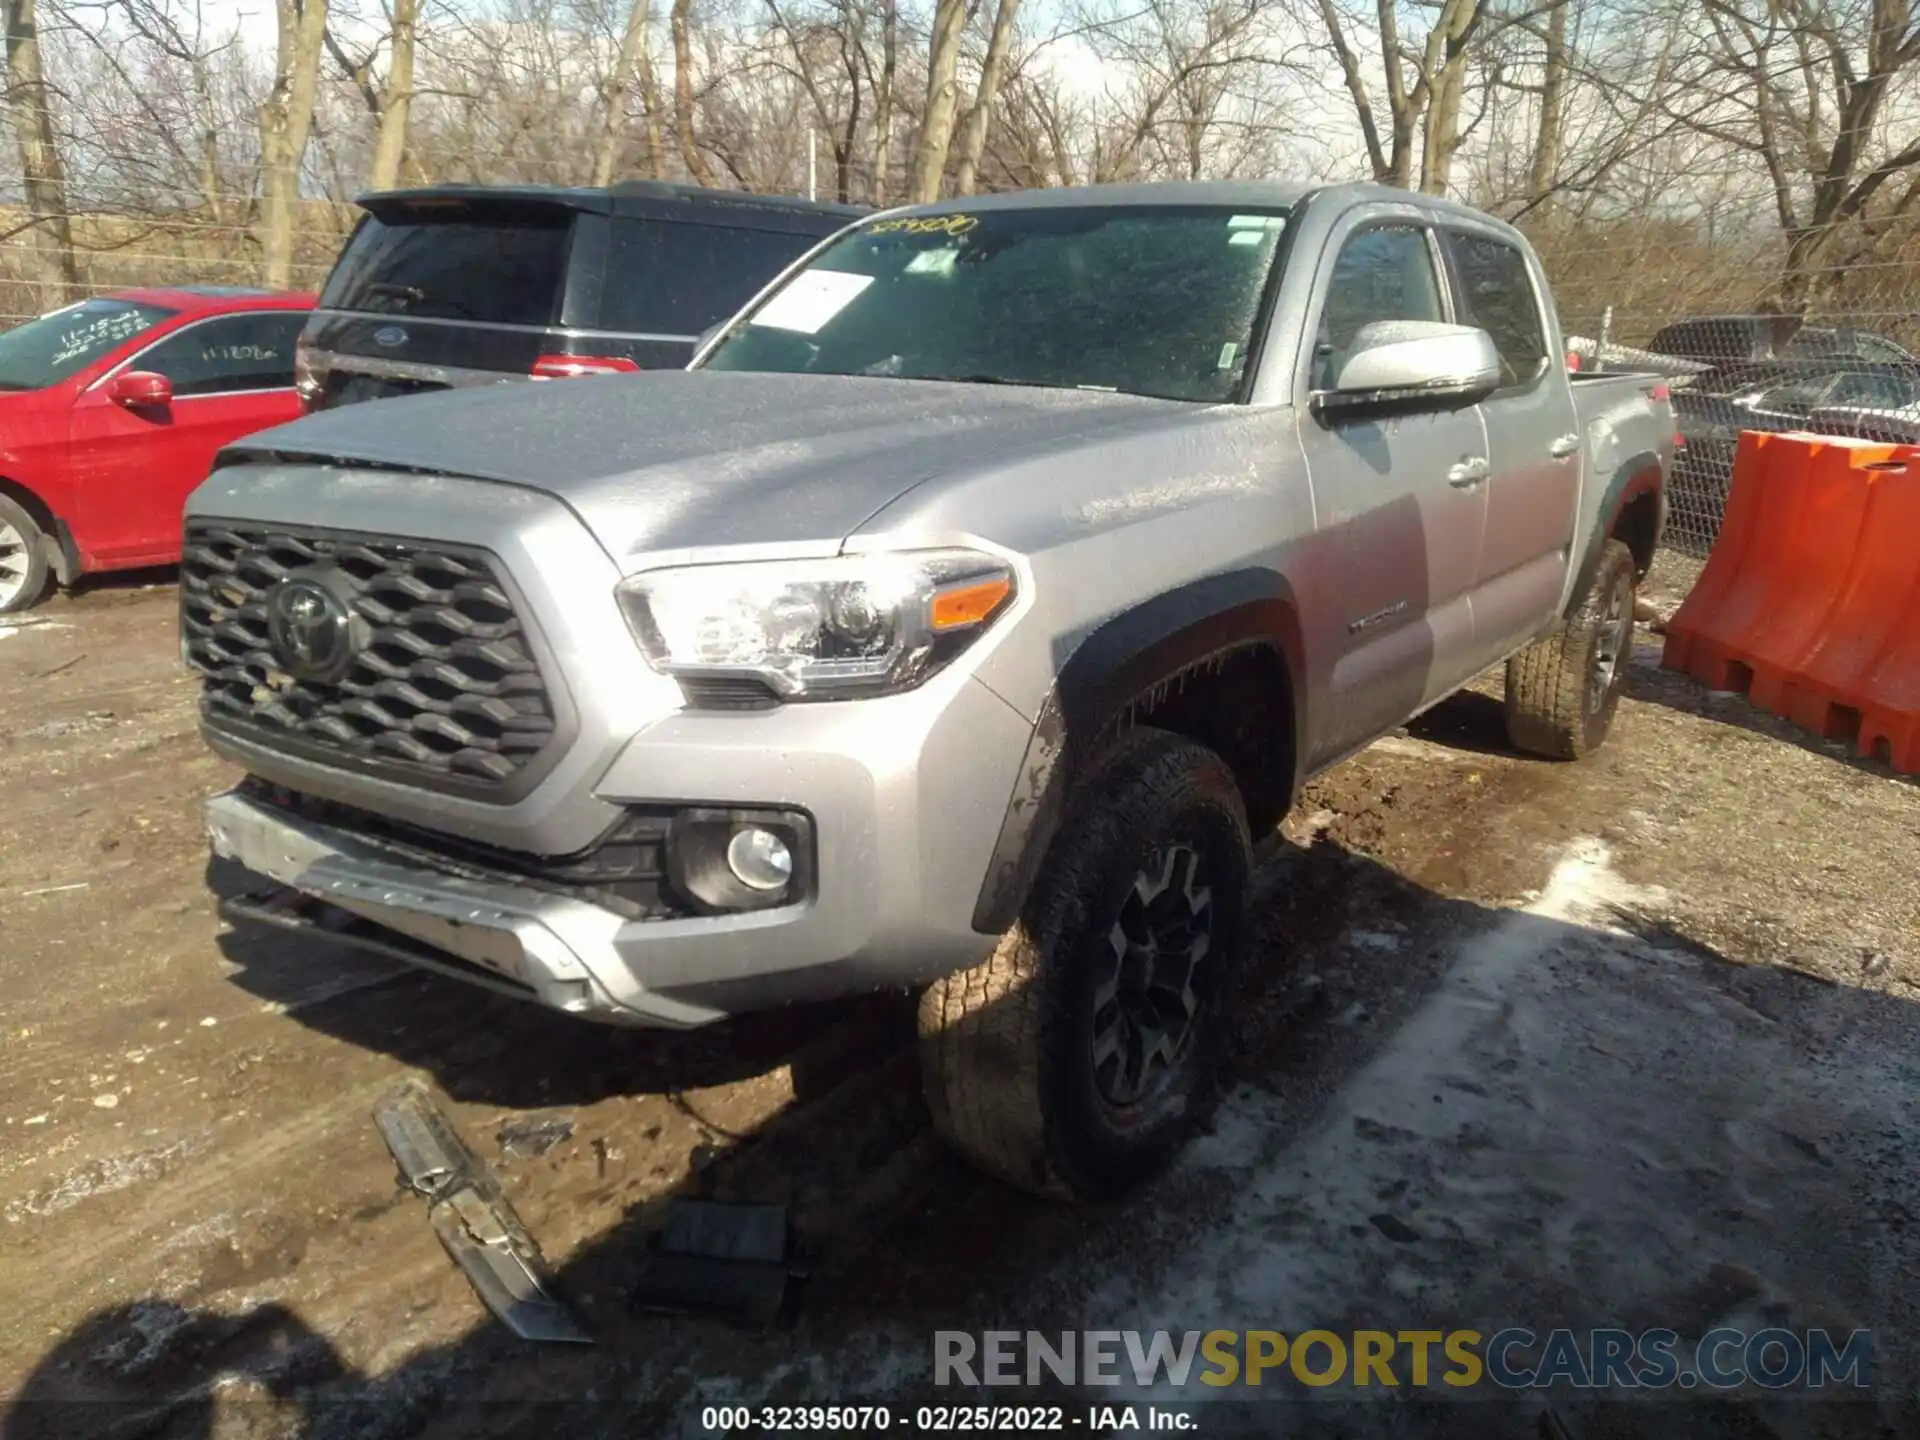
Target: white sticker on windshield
pixel 1246 237
pixel 811 299
pixel 1256 222
pixel 934 262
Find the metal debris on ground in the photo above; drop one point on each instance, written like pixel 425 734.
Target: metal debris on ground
pixel 528 1137
pixel 728 1260
pixel 472 1218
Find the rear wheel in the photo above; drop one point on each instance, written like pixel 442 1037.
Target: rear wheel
pixel 1563 690
pixel 1077 1058
pixel 23 560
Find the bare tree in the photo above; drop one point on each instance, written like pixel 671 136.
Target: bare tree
pixel 683 123
pixel 1803 87
pixel 613 121
pixel 943 101
pixel 396 102
pixel 1424 82
pixel 1555 63
pixel 973 134
pixel 884 101
pixel 286 120
pixel 48 227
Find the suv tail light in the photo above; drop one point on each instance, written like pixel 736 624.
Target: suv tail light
pixel 574 367
pixel 1573 361
pixel 308 381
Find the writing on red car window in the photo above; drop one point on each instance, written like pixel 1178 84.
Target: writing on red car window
pixel 99 333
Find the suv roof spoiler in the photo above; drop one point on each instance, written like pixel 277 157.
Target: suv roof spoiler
pixel 599 201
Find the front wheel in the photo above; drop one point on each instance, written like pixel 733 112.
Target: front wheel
pixel 23 559
pixel 1076 1058
pixel 1563 690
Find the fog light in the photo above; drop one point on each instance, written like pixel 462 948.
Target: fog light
pixel 760 859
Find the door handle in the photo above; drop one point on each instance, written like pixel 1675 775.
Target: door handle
pixel 1468 472
pixel 1565 447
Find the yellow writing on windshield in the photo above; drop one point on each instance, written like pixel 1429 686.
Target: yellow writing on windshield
pixel 924 225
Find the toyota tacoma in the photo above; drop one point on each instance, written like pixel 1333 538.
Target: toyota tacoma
pixel 956 620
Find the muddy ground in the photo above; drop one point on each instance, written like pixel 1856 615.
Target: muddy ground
pixel 1632 1042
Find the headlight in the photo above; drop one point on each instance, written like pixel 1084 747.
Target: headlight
pixel 818 629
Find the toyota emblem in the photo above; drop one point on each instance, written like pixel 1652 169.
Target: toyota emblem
pixel 311 630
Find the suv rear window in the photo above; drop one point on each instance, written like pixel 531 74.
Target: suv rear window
pixel 669 278
pixel 499 269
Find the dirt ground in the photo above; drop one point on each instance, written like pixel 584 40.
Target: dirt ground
pixel 1630 1042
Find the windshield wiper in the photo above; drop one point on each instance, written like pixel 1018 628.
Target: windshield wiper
pixel 983 379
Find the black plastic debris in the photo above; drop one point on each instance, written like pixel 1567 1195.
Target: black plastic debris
pixel 472 1218
pixel 732 1261
pixel 528 1137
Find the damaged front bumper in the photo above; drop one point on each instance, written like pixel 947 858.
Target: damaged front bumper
pixel 512 938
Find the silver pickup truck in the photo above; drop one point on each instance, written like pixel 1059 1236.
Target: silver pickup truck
pixel 956 621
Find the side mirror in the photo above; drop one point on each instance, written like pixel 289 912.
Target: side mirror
pixel 140 389
pixel 1412 365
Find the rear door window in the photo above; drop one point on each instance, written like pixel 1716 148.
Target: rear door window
pixel 1497 294
pixel 665 277
pixel 504 268
pixel 231 353
pixel 1383 273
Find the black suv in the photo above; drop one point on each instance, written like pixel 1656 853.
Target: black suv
pixel 464 285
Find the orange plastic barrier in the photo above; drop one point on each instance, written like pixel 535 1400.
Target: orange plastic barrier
pixel 1810 601
pixel 1880 601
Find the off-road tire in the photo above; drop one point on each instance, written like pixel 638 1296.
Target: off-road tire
pixel 13 518
pixel 1555 705
pixel 1007 1047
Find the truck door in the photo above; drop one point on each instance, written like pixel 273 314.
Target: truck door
pixel 1533 439
pixel 1399 503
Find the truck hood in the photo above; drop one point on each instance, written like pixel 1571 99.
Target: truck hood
pixel 680 459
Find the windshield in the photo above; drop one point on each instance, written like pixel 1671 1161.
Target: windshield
pixel 1149 301
pixel 48 350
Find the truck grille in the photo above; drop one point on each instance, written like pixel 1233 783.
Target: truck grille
pixel 443 689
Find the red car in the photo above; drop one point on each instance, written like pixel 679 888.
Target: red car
pixel 111 411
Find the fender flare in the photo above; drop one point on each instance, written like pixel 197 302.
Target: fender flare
pixel 1121 662
pixel 1639 476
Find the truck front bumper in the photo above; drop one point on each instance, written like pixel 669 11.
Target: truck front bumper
pixel 507 937
pixel 902 827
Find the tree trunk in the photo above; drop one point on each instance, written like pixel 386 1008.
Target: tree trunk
pixel 1445 76
pixel 943 101
pixel 1553 85
pixel 883 100
pixel 690 156
pixel 286 119
pixel 650 99
pixel 973 135
pixel 397 100
pixel 52 267
pixel 613 120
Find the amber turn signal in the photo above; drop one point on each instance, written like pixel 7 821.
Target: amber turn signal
pixel 970 603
